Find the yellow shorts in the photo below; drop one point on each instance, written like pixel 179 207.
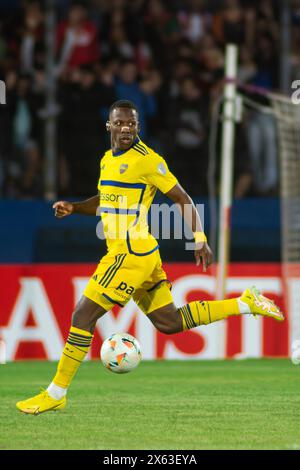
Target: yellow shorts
pixel 122 276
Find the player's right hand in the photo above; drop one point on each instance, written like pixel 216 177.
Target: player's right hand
pixel 62 209
pixel 203 255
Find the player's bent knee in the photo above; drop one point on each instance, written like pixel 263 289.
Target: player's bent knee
pixel 166 319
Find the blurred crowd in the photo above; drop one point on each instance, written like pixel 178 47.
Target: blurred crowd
pixel 165 55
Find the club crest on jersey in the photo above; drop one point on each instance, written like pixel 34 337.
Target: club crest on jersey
pixel 123 167
pixel 162 169
pixel 103 166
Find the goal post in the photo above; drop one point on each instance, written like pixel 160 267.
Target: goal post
pixel 227 157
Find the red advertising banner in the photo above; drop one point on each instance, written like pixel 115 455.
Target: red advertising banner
pixel 36 304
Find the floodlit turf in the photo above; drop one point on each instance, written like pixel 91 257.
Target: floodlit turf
pixel 249 404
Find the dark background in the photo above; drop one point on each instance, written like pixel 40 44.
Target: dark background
pixel 166 56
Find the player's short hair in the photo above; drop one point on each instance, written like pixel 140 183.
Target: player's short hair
pixel 123 104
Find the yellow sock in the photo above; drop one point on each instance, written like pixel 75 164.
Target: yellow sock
pixel 204 312
pixel 74 352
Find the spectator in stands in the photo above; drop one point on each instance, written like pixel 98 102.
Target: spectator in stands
pixel 211 70
pixel 77 39
pixel 128 87
pixel 23 172
pixel 32 34
pixel 188 126
pixel 82 131
pixel 181 69
pixel 247 68
pixel 154 53
pixel 194 20
pixel 262 144
pixel 243 175
pixel 267 18
pixel 118 44
pixel 23 35
pixel 233 24
pixel 162 31
pixel 125 16
pixel 6 124
pixel 266 59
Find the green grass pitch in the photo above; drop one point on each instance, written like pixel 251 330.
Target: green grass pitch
pixel 248 404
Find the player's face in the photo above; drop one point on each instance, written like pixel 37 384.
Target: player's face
pixel 124 127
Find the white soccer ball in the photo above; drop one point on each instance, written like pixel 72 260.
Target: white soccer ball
pixel 295 358
pixel 120 353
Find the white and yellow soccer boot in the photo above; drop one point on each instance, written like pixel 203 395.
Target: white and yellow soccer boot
pixel 260 305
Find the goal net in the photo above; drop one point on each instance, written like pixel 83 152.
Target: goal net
pixel 286 115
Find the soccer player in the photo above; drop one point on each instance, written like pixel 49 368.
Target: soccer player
pixel 130 173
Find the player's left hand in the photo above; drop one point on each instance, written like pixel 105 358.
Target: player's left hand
pixel 203 255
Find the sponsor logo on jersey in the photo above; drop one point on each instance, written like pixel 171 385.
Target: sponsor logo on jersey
pixel 123 286
pixel 123 167
pixel 161 169
pixel 111 197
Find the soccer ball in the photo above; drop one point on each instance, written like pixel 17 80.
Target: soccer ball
pixel 120 353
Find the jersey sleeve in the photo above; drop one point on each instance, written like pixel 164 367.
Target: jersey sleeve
pixel 101 163
pixel 159 175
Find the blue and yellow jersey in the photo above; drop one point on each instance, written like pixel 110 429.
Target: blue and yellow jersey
pixel 127 184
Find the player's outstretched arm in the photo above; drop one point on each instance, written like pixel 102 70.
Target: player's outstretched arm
pixel 65 208
pixel 188 210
